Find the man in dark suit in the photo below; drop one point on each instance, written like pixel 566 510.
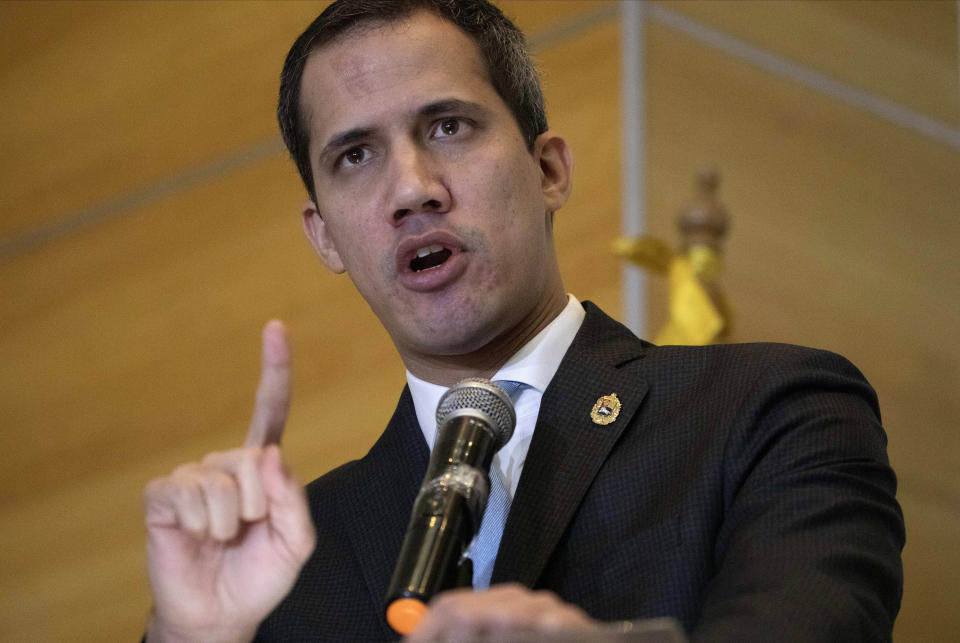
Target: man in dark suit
pixel 743 490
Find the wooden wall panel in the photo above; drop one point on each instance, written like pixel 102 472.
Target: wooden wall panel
pixel 133 345
pixel 905 50
pixel 102 97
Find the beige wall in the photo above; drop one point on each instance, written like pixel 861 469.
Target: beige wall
pixel 131 343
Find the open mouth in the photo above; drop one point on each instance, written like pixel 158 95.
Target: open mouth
pixel 429 257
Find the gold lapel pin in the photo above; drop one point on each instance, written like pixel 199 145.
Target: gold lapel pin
pixel 605 410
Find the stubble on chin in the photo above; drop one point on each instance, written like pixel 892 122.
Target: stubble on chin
pixel 450 320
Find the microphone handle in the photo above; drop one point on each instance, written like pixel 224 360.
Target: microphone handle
pixel 445 517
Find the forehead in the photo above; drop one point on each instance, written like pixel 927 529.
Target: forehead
pixel 380 71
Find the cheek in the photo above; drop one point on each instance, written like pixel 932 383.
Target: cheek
pixel 356 247
pixel 522 207
pixel 511 190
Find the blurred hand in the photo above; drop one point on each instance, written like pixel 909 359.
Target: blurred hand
pixel 464 614
pixel 227 536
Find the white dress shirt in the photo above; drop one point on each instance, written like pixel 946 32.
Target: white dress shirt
pixel 535 365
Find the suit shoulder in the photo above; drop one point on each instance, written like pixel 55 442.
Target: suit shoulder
pixel 764 355
pixel 759 371
pixel 336 483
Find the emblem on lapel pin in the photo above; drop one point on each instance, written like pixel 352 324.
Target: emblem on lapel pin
pixel 605 410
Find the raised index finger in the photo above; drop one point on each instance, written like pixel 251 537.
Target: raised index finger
pixel 273 393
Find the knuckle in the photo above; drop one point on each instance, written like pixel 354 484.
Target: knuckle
pixel 218 485
pixel 438 602
pixel 224 528
pixel 445 605
pixel 212 459
pixel 187 469
pixel 196 528
pixel 248 459
pixel 546 597
pixel 224 459
pixel 185 492
pixel 155 488
pixel 461 610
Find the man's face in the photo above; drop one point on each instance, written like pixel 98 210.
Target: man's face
pixel 426 193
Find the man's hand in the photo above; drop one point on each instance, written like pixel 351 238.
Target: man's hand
pixel 227 536
pixel 465 614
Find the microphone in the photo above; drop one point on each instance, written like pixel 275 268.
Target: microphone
pixel 475 417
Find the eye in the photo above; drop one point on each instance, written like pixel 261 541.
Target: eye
pixel 353 156
pixel 447 127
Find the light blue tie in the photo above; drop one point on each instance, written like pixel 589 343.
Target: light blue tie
pixel 483 551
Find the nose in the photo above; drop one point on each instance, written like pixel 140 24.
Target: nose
pixel 418 184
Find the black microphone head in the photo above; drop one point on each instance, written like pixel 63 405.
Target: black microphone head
pixel 481 398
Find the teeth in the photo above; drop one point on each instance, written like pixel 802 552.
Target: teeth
pixel 429 250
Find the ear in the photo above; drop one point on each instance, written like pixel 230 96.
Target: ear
pixel 316 230
pixel 556 169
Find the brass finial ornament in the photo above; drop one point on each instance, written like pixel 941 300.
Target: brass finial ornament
pixel 704 221
pixel 699 313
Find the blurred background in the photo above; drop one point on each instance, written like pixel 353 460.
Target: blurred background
pixel 149 226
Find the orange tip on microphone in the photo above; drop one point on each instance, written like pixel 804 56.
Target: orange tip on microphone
pixel 404 614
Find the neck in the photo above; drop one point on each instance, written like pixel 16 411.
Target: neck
pixel 447 370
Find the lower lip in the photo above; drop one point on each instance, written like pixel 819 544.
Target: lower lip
pixel 437 277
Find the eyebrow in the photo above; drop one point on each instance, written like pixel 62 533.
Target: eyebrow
pixel 346 138
pixel 357 134
pixel 447 105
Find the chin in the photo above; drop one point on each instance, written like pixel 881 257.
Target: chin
pixel 454 342
pixel 457 324
pixel 455 336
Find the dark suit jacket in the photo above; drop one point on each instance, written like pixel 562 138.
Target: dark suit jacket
pixel 744 490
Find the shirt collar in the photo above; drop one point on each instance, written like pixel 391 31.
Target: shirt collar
pixel 534 364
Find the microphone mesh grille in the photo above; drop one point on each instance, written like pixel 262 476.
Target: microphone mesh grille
pixel 485 396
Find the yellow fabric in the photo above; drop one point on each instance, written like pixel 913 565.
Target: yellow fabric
pixel 647 252
pixel 705 262
pixel 694 320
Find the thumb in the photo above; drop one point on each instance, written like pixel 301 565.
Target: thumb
pixel 287 510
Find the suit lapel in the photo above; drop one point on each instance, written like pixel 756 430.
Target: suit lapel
pixel 388 481
pixel 568 447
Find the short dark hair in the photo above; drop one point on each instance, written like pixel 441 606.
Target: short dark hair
pixel 502 45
